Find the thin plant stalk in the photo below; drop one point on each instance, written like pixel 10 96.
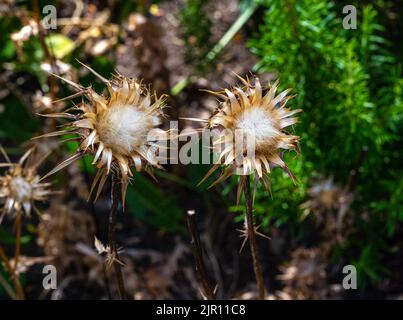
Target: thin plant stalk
pixel 106 281
pixel 94 214
pixel 197 250
pixel 17 242
pixel 112 236
pixel 257 268
pixel 16 280
pixel 7 288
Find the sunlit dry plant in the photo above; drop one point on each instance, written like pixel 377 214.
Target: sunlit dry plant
pixel 114 129
pixel 119 130
pixel 20 186
pixel 261 115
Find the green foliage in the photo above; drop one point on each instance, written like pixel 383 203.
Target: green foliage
pixel 349 85
pixel 154 206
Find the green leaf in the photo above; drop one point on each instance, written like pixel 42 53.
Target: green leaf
pixel 59 45
pixel 8 50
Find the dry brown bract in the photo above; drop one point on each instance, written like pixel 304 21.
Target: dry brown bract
pixel 115 129
pixel 262 115
pixel 20 186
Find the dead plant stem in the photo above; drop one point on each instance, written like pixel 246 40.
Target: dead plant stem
pixel 198 256
pixel 16 280
pixel 17 242
pixel 112 236
pixel 257 268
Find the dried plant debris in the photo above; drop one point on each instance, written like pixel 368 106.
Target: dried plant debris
pixel 21 186
pixel 304 276
pixel 61 228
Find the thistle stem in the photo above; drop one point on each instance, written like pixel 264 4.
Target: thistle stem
pixel 7 288
pixel 112 236
pixel 13 268
pixel 16 280
pixel 198 256
pixel 17 242
pixel 94 215
pixel 252 240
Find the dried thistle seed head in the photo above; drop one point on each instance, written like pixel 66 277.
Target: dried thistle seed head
pixel 304 276
pixel 330 203
pixel 123 129
pixel 20 186
pixel 262 116
pixel 115 128
pixel 324 194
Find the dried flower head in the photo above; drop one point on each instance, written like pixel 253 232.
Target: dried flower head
pixel 324 195
pixel 261 115
pixel 115 129
pixel 330 202
pixel 305 274
pixel 20 186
